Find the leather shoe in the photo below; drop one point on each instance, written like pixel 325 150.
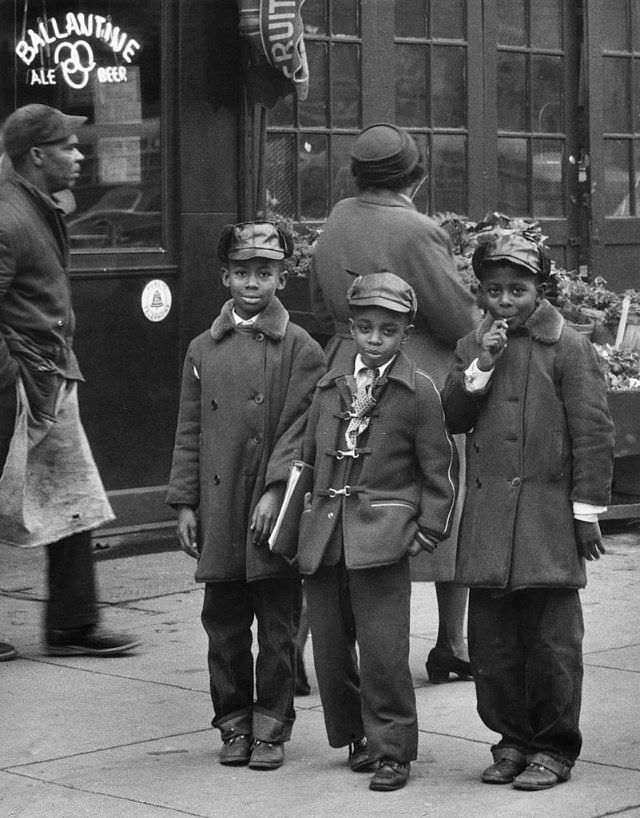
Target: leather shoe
pixel 503 771
pixel 7 652
pixel 536 777
pixel 236 750
pixel 359 759
pixel 441 663
pixel 266 755
pixel 91 640
pixel 390 775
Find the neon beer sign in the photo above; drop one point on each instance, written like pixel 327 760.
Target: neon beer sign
pixel 67 40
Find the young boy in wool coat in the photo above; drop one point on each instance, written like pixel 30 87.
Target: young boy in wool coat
pixel 384 488
pixel 530 395
pixel 247 385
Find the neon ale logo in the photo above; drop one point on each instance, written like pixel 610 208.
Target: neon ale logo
pixel 67 42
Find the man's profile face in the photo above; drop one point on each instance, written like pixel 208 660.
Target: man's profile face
pixel 60 163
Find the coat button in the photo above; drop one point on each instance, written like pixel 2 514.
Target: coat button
pixel 60 323
pixel 216 480
pixel 259 336
pixel 516 482
pixel 330 515
pixel 259 398
pixel 214 405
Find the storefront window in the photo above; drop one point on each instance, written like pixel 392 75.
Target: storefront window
pixel 100 59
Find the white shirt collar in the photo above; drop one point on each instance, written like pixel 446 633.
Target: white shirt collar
pixel 245 322
pixel 360 364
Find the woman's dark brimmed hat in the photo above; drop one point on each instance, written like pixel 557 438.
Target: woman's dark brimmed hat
pixel 383 153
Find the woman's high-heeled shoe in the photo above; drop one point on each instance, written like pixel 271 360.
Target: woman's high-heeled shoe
pixel 441 662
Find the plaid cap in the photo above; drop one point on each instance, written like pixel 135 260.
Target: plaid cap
pixel 516 249
pixel 385 290
pixel 37 124
pixel 246 240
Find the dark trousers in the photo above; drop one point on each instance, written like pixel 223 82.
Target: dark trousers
pixel 370 607
pixel 228 612
pixel 71 573
pixel 526 653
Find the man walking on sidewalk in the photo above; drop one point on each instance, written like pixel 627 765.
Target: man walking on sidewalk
pixel 50 490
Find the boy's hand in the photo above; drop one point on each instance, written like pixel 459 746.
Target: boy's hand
pixel 494 343
pixel 265 513
pixel 187 531
pixel 422 542
pixel 589 540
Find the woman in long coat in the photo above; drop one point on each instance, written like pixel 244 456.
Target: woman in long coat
pixel 380 229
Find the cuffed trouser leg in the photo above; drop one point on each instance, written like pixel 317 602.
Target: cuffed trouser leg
pixel 72 601
pixel 526 651
pixel 227 615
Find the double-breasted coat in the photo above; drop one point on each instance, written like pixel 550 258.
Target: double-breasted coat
pixel 245 393
pixel 539 437
pixel 404 477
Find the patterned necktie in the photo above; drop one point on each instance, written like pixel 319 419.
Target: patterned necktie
pixel 362 405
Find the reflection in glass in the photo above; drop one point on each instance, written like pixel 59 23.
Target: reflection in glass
pixel 343 184
pixel 411 85
pixel 315 110
pixel 547 163
pixel 618 174
pixel 282 112
pixel 449 87
pixel 617 118
pixel 615 26
pixel 314 176
pixel 344 18
pixel 512 92
pixel 512 177
pixel 547 102
pixel 449 171
pixel 315 17
pixel 345 86
pixel 546 24
pixel 448 19
pixel 410 18
pixel 280 173
pixel 512 22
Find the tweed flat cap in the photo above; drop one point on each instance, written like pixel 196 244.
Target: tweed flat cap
pixel 36 124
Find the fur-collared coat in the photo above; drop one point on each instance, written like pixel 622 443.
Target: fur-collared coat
pixel 404 478
pixel 539 437
pixel 244 396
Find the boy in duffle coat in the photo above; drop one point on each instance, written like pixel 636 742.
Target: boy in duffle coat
pixel 384 488
pixel 247 385
pixel 530 395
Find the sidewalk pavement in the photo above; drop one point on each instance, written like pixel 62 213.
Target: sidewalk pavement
pixel 129 737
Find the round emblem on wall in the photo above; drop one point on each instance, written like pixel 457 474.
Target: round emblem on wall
pixel 156 300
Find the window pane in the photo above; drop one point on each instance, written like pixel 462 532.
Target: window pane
pixel 422 197
pixel 280 174
pixel 410 18
pixel 448 19
pixel 615 26
pixel 449 87
pixel 512 177
pixel 117 199
pixel 449 171
pixel 636 96
pixel 282 112
pixel 617 177
pixel 547 94
pixel 314 175
pixel 411 85
pixel 546 24
pixel 512 92
pixel 617 98
pixel 547 169
pixel 345 82
pixel 315 109
pixel 315 17
pixel 345 17
pixel 343 184
pixel 512 22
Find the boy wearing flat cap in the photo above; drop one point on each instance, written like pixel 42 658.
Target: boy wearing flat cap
pixel 247 385
pixel 384 488
pixel 528 392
